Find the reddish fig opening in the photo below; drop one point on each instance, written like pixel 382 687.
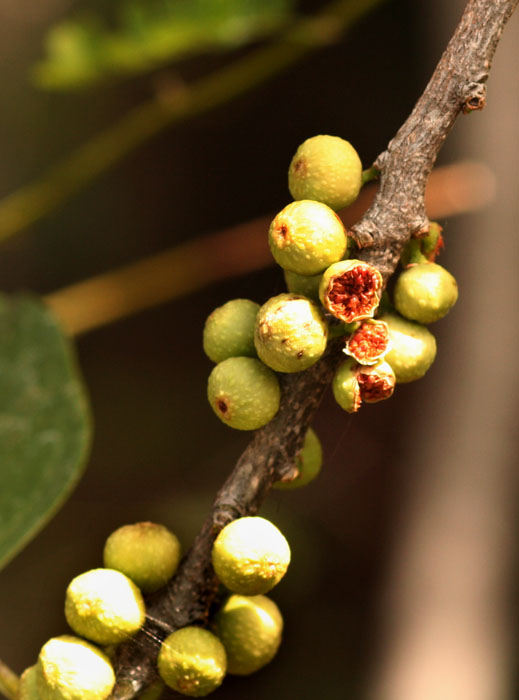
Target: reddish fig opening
pixel 369 342
pixel 374 386
pixel 354 294
pixel 222 406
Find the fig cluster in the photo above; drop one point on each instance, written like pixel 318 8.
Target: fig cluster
pixel 107 606
pixel 330 292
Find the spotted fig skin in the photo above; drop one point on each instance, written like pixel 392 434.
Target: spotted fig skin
pixel 250 628
pixel 229 330
pixel 345 386
pixel 327 169
pixel 306 237
pixel 290 333
pixel 192 661
pixel 308 463
pixel 413 348
pixel 304 285
pixel 425 292
pixel 351 290
pixel 243 393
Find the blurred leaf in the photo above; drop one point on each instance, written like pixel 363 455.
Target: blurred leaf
pixel 150 33
pixel 45 424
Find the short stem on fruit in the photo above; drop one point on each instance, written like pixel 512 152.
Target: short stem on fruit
pixel 9 682
pixel 370 174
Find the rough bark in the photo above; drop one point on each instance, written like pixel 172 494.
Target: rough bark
pixel 397 213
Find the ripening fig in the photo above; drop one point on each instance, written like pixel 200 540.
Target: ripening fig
pixel 413 348
pixel 376 382
pixel 369 342
pixel 146 552
pixel 308 463
pixel 306 237
pixel 192 661
pixel 104 606
pixel 229 330
pixel 304 285
pixel 243 393
pixel 345 386
pixel 351 290
pixel 425 292
pixel 290 333
pixel 250 556
pixel 327 169
pixel 250 628
pixel 69 668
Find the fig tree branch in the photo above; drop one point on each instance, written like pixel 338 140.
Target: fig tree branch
pixel 398 212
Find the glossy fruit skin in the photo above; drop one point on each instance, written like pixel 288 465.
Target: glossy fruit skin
pixel 69 668
pixel 192 661
pixel 413 348
pixel 345 386
pixel 308 462
pixel 148 553
pixel 351 290
pixel 229 330
pixel 104 606
pixel 425 292
pixel 243 393
pixel 250 556
pixel 250 628
pixel 290 333
pixel 327 169
pixel 306 237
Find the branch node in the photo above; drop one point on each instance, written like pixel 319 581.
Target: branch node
pixel 474 97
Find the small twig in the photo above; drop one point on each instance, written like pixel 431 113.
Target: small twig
pixel 32 202
pixel 9 682
pixel 87 305
pixel 397 212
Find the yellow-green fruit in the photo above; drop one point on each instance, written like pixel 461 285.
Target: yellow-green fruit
pixel 192 661
pixel 69 668
pixel 243 393
pixel 425 292
pixel 305 285
pixel 250 556
pixel 229 330
pixel 328 169
pixel 250 628
pixel 308 462
pixel 105 606
pixel 290 333
pixel 412 348
pixel 147 553
pixel 306 237
pixel 345 386
pixel 28 687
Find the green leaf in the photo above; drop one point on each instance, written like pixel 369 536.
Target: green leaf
pixel 45 426
pixel 151 33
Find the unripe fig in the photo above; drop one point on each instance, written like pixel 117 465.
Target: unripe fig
pixel 243 393
pixel 413 348
pixel 192 661
pixel 351 290
pixel 345 386
pixel 327 169
pixel 250 628
pixel 28 687
pixel 104 606
pixel 369 342
pixel 308 463
pixel 69 668
pixel 306 237
pixel 290 333
pixel 147 553
pixel 425 292
pixel 304 285
pixel 229 330
pixel 250 556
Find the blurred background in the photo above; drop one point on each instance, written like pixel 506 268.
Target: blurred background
pixel 404 550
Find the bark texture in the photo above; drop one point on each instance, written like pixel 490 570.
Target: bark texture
pixel 397 213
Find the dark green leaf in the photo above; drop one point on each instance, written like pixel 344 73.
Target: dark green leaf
pixel 45 425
